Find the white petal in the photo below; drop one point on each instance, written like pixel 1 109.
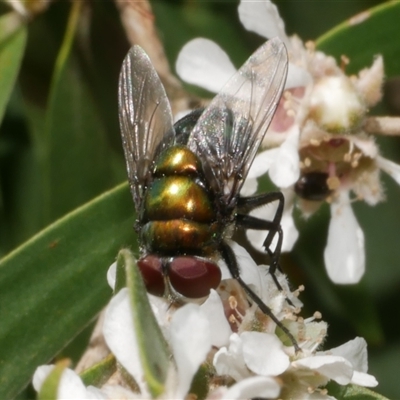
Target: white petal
pixel 263 353
pixel 333 367
pixel 119 334
pixel 390 168
pixel 363 379
pixel 297 77
pixel 290 232
pixel 163 312
pixel 354 351
pixel 214 311
pixel 262 163
pixel 40 375
pixel 249 270
pixel 344 253
pixel 249 187
pixel 229 361
pixel 111 275
pixel 190 341
pixel 366 145
pixel 285 169
pixel 94 393
pixel 203 63
pixel 118 392
pixel 262 17
pixel 254 387
pixel 70 386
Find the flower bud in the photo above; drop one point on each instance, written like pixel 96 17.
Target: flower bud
pixel 335 105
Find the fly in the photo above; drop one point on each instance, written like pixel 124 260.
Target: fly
pixel 185 178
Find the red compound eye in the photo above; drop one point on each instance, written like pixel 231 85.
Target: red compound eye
pixel 151 269
pixel 194 277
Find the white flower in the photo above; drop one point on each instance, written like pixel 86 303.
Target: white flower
pixel 72 387
pixel 251 358
pixel 316 149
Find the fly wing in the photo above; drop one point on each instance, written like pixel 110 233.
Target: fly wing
pixel 145 118
pixel 230 130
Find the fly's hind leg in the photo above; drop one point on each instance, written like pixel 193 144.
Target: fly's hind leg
pixel 230 259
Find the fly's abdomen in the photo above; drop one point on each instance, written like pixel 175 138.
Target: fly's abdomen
pixel 178 214
pixel 178 235
pixel 174 197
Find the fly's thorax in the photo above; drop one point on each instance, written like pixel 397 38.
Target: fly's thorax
pixel 177 160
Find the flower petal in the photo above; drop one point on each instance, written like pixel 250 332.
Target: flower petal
pixel 363 379
pixel 354 351
pixel 249 187
pixel 119 334
pixel 297 77
pixel 285 169
pixel 190 342
pixel 344 253
pixel 70 386
pixel 333 367
pixel 262 162
pixel 203 63
pixel 214 311
pixel 229 361
pixel 262 17
pixel 249 270
pixel 254 387
pixel 389 167
pixel 290 232
pixel 263 354
pixel 112 275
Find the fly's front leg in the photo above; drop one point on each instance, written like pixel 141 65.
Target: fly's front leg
pixel 249 222
pixel 247 204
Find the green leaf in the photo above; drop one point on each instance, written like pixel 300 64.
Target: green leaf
pixel 353 392
pixel 372 32
pixel 99 374
pixel 12 45
pixel 76 163
pixel 55 284
pixel 49 389
pixel 153 349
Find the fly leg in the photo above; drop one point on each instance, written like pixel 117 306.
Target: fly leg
pixel 247 204
pixel 230 259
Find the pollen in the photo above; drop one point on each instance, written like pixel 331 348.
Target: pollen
pixel 333 182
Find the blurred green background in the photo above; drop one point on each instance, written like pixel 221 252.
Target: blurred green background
pixel 60 148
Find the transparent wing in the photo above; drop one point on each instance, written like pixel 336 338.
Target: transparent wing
pixel 145 118
pixel 230 130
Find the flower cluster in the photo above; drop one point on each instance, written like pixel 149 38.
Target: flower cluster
pixel 242 350
pixel 316 149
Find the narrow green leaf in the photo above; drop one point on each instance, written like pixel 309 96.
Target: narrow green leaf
pixel 12 45
pixel 54 285
pixel 120 276
pixel 372 32
pixel 154 353
pixel 49 389
pixel 99 374
pixel 353 392
pixel 75 164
